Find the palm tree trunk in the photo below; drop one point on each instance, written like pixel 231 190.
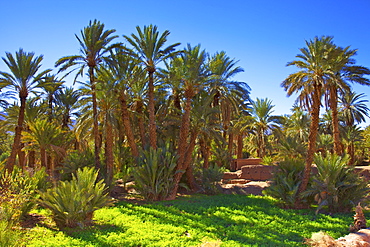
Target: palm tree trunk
pixel 188 158
pixel 17 136
pixel 43 158
pixel 95 120
pixel 152 123
pixel 239 153
pixel 314 126
pixel 230 144
pixel 31 158
pixel 109 152
pixel 335 122
pixel 139 110
pixel 204 152
pixel 22 157
pixel 127 124
pixel 181 150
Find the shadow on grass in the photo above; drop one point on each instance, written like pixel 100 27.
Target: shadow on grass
pixel 235 220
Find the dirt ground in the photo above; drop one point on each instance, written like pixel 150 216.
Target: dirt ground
pixel 253 187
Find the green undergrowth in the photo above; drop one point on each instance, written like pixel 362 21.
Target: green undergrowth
pixel 232 220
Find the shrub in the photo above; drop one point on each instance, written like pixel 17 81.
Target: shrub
pixel 336 185
pixel 21 189
pixel 209 178
pixel 285 182
pixel 74 161
pixel 154 173
pixel 73 202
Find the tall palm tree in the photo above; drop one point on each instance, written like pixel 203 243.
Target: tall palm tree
pixel 24 77
pixel 343 71
pixel 230 95
pixel 123 70
pixel 193 75
pixel 309 82
pixel 95 45
pixel 108 103
pixel 149 47
pixel 264 122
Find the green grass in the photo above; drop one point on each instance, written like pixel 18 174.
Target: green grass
pixel 235 220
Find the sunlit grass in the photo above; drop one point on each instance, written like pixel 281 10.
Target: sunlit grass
pixel 232 220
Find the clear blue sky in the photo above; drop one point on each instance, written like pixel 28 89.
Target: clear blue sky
pixel 263 35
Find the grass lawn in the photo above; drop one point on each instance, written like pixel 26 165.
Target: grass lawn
pixel 230 220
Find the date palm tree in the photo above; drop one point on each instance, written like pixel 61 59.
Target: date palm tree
pixel 66 99
pixel 353 108
pixel 23 79
pixel 308 82
pixel 193 75
pixel 263 122
pixel 149 47
pixel 96 43
pixel 343 72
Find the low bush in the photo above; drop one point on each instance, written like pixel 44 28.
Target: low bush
pixel 74 161
pixel 285 183
pixel 73 202
pixel 336 186
pixel 154 173
pixel 209 178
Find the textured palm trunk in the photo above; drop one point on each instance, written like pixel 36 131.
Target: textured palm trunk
pixel 335 122
pixel 31 158
pixel 230 144
pixel 22 157
pixel 140 119
pixel 17 135
pixel 204 149
pixel 43 158
pixel 181 150
pixel 314 126
pixel 95 120
pixel 151 105
pixel 109 152
pixel 127 124
pixel 239 153
pixel 351 153
pixel 188 166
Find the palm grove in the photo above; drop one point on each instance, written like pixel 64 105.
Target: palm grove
pixel 168 116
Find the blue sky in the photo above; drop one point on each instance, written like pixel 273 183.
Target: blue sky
pixel 263 35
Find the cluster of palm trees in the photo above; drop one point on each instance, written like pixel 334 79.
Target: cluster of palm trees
pixel 145 93
pixel 325 71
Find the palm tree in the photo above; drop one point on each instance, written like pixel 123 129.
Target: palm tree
pixel 230 95
pixel 343 71
pixel 297 124
pixel 51 85
pixel 353 108
pixel 264 122
pixel 193 75
pixel 309 82
pixel 123 70
pixel 22 79
pixel 95 44
pixel 66 100
pixel 45 136
pixel 148 47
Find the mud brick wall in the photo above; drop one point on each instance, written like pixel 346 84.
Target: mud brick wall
pixel 257 172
